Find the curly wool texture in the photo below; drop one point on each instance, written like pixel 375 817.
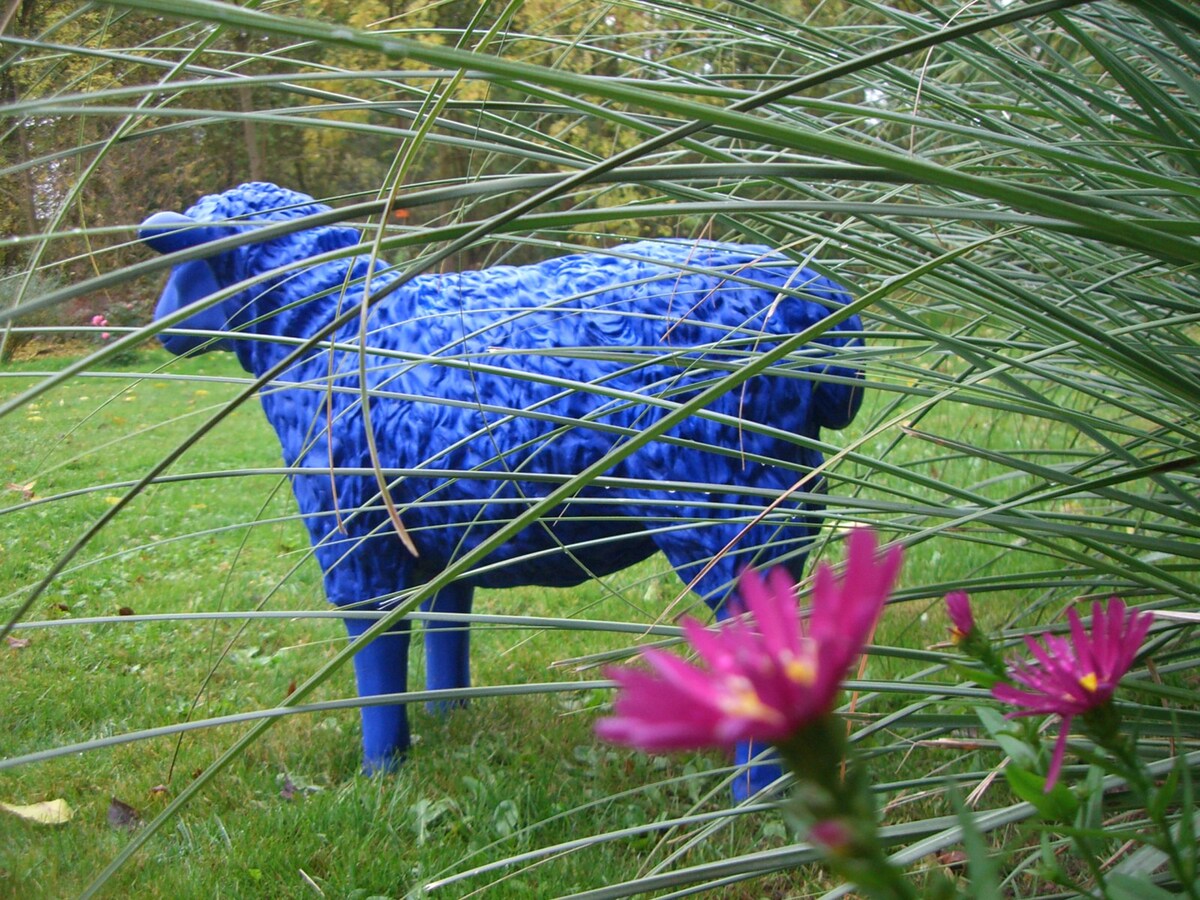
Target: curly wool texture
pixel 486 389
pixel 536 370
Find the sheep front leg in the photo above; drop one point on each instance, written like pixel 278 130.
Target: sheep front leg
pixel 381 667
pixel 447 645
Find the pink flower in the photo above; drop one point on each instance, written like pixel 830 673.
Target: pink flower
pixel 1073 677
pixel 764 675
pixel 99 321
pixel 962 622
pixel 831 835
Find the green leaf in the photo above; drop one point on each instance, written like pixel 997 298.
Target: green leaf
pixel 1006 733
pixel 981 867
pixel 980 676
pixel 1056 805
pixel 1120 886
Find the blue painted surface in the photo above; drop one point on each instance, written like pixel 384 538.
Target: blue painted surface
pixel 441 356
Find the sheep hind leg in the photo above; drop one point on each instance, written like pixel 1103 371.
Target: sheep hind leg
pixel 756 762
pixel 447 646
pixel 382 668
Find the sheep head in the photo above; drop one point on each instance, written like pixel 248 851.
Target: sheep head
pixel 222 215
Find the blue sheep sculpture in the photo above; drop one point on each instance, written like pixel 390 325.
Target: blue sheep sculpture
pixel 535 370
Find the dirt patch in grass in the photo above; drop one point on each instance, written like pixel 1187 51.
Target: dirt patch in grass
pixel 42 347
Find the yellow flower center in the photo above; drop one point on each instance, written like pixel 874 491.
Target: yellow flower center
pixel 742 700
pixel 800 671
pixel 1089 682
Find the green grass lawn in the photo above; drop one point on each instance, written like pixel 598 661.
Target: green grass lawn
pixel 503 777
pixel 500 777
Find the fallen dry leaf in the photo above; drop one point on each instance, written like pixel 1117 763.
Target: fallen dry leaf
pixel 25 490
pixel 124 611
pixel 122 815
pixel 17 643
pixel 954 860
pixel 48 812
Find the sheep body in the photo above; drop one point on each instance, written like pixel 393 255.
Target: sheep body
pixel 492 384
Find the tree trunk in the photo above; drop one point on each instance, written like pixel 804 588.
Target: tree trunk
pixel 245 97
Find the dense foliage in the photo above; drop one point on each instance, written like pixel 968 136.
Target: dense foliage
pixel 1011 190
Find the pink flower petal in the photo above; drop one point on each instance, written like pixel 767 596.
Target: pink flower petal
pixel 958 607
pixel 1056 760
pixel 761 677
pixel 1070 677
pixel 709 645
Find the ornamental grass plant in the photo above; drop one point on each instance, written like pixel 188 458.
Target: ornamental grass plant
pixel 1009 190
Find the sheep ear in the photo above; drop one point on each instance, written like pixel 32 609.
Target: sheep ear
pixel 168 232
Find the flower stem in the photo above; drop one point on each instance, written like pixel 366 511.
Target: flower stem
pixel 837 812
pixel 1130 766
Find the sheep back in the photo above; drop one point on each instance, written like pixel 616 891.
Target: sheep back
pixel 486 386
